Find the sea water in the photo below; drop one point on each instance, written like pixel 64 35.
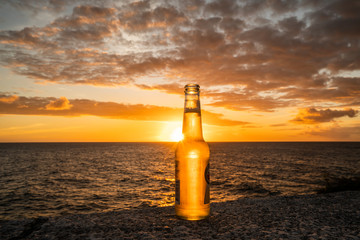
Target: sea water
pixel 52 179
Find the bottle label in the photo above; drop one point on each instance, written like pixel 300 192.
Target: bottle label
pixel 207 190
pixel 177 192
pixel 207 174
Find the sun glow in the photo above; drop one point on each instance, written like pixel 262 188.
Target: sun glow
pixel 177 135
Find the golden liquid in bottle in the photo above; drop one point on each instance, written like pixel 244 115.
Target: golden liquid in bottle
pixel 192 200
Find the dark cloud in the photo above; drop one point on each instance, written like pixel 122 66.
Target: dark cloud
pixel 313 116
pixel 28 37
pixel 223 7
pixel 12 104
pixel 93 11
pixel 341 90
pixel 328 10
pixel 52 6
pixel 291 26
pixel 276 52
pixel 350 85
pixel 87 26
pixel 39 5
pixel 160 17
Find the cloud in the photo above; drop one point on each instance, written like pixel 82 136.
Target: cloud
pixel 293 55
pixel 168 88
pixel 36 6
pixel 93 11
pixel 160 17
pixel 313 116
pixel 26 38
pixel 8 99
pixel 59 104
pixel 218 119
pixel 223 7
pixel 337 133
pixel 78 107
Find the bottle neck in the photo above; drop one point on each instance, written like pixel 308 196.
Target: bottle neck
pixel 192 126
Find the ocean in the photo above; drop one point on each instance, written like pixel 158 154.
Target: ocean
pixel 52 179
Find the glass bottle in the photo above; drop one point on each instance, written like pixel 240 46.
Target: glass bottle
pixel 192 190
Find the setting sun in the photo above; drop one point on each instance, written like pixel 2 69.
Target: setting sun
pixel 177 135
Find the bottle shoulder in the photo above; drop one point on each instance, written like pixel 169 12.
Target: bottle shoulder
pixel 198 147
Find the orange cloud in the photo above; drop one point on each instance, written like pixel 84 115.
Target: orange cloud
pixel 8 99
pixel 313 116
pixel 59 104
pixel 79 107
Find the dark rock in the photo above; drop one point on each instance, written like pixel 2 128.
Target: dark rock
pixel 319 216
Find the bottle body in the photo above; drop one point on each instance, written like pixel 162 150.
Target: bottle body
pixel 192 194
pixel 192 190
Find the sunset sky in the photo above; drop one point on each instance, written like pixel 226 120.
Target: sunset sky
pixel 268 70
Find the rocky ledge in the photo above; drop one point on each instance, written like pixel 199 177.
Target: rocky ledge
pixel 321 216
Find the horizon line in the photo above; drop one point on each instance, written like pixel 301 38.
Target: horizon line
pixel 177 142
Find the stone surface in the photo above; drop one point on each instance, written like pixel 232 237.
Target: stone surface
pixel 322 216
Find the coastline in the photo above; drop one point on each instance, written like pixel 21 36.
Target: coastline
pixel 327 216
